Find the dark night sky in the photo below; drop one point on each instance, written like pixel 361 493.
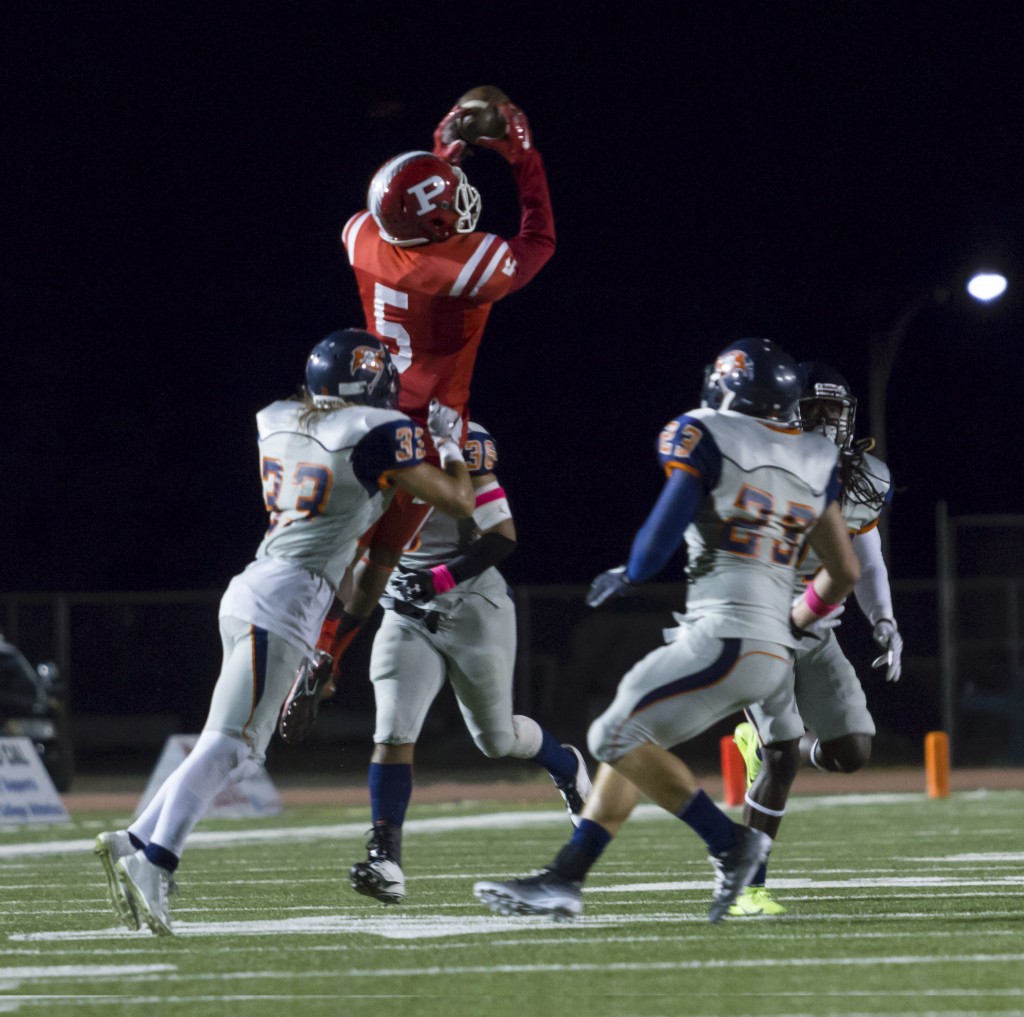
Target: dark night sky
pixel 175 177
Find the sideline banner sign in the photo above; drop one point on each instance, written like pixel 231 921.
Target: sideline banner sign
pixel 253 795
pixel 27 794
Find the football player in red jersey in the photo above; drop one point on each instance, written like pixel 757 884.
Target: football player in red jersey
pixel 427 280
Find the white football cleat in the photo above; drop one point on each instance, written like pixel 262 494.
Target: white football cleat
pixel 110 848
pixel 379 878
pixel 147 886
pixel 543 893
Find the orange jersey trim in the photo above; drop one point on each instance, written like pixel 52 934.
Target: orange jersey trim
pixel 683 466
pixel 780 428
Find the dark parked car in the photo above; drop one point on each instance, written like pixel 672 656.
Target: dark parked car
pixel 33 705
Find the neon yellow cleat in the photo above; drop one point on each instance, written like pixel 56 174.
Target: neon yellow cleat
pixel 756 900
pixel 746 741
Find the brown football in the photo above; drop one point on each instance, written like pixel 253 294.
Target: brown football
pixel 482 118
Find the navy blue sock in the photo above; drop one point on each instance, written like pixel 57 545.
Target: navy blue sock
pixel 761 876
pixel 709 822
pixel 390 791
pixel 136 842
pixel 555 757
pixel 588 841
pixel 161 856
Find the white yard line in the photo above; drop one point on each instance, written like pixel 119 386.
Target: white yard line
pixel 428 927
pixel 85 970
pixel 510 820
pixel 706 965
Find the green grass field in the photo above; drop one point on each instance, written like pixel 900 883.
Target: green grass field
pixel 899 904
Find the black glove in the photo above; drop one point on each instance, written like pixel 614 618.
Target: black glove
pixel 609 584
pixel 417 587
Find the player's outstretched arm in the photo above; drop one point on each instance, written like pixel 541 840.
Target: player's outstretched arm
pixel 450 491
pixel 534 244
pixel 834 583
pixel 491 548
pixel 875 599
pixel 872 590
pixel 656 541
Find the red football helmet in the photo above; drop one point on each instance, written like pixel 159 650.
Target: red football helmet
pixel 418 198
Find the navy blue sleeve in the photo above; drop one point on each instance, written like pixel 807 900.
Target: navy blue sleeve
pixel 395 445
pixel 686 445
pixel 662 533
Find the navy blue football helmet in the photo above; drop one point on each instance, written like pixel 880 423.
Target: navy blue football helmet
pixel 351 366
pixel 827 404
pixel 756 377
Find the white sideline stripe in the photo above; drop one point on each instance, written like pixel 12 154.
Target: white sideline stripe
pixel 9 1004
pixel 436 926
pixel 222 838
pixel 744 963
pixel 86 970
pixel 769 930
pixel 814 884
pixel 681 965
pixel 428 927
pixel 1004 856
pixel 511 820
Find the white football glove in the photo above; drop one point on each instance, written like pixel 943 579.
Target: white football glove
pixel 445 427
pixel 819 628
pixel 610 583
pixel 888 637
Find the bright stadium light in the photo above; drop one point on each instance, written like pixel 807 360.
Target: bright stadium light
pixel 986 286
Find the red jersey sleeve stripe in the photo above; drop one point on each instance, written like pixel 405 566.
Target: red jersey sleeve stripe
pixel 491 267
pixel 471 266
pixel 351 231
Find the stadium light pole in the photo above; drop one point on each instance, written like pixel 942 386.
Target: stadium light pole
pixel 885 345
pixel 983 286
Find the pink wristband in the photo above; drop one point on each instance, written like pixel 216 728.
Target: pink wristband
pixel 443 579
pixel 817 606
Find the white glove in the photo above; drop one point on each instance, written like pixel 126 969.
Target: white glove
pixel 445 427
pixel 888 637
pixel 819 628
pixel 610 583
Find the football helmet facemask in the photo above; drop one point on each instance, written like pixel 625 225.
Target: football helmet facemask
pixel 756 377
pixel 418 198
pixel 351 366
pixel 827 404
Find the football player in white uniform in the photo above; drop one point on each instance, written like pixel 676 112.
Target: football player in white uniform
pixel 745 489
pixel 829 700
pixel 330 461
pixel 449 615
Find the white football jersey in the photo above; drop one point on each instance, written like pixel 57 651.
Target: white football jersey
pixel 765 486
pixel 859 517
pixel 323 486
